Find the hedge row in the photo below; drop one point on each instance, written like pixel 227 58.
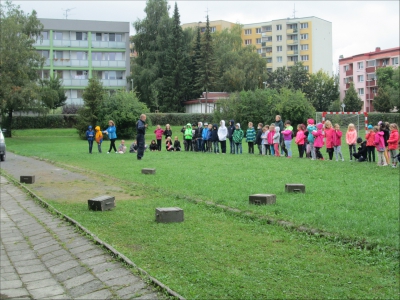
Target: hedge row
pixel 49 121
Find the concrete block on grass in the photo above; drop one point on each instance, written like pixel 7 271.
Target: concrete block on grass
pixel 169 215
pixel 101 203
pixel 148 171
pixel 262 199
pixel 295 188
pixel 27 179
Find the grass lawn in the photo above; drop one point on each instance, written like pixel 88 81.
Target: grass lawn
pixel 217 254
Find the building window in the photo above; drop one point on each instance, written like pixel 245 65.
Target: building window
pixel 81 36
pixel 81 75
pixel 306 68
pixel 259 51
pixel 43 53
pixel 346 68
pixel 361 91
pixel 258 30
pixel 258 41
pixel 279 27
pixel 81 55
pixel 247 31
pixel 58 54
pixel 96 55
pixel 269 60
pixel 304 47
pixel 395 61
pixel 279 58
pixel 113 75
pixel 57 35
pixel 360 78
pixel 247 42
pixel 303 25
pixel 58 74
pixel 304 57
pixel 213 29
pixel 360 65
pixel 304 36
pixel 279 38
pixel 371 63
pixel 45 35
pixel 98 36
pixel 279 48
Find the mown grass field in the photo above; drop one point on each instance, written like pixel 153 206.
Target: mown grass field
pixel 218 254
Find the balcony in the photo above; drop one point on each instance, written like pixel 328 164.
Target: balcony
pixel 292 52
pixel 65 62
pixel 291 63
pixel 269 65
pixel 292 42
pixel 114 82
pixel 76 101
pixel 370 96
pixel 99 44
pixel 349 72
pixel 46 63
pixel 370 69
pixel 109 63
pixel 269 54
pixel 69 43
pixel 75 82
pixel 263 54
pixel 291 31
pixel 264 34
pixel 42 43
pixel 371 83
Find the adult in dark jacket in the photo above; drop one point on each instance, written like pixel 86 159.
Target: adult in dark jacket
pixel 231 129
pixel 141 131
pixel 214 138
pixel 361 155
pixel 199 136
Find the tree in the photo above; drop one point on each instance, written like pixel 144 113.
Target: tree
pixel 19 61
pixel 382 100
pixel 151 44
pixel 299 77
pixel 93 97
pixel 52 92
pixel 194 66
pixel 177 76
pixel 321 90
pixel 206 63
pixel 124 108
pixel 351 100
pixel 278 79
pixel 388 79
pixel 335 106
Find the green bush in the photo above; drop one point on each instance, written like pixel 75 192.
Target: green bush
pixel 177 119
pixel 48 121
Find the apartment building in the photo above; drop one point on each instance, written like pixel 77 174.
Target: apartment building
pixel 218 25
pixel 76 50
pixel 287 41
pixel 361 70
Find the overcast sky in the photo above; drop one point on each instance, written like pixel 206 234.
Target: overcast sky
pixel 358 26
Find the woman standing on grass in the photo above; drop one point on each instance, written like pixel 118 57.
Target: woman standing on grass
pixel 111 131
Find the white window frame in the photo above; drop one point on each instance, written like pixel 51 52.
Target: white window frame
pixel 307 68
pixel 247 42
pixel 258 30
pixel 395 61
pixel 346 68
pixel 279 49
pixel 279 59
pixel 213 29
pixel 259 51
pixel 361 91
pixel 304 57
pixel 304 36
pixel 360 65
pixel 279 27
pixel 247 31
pixel 258 41
pixel 304 47
pixel 278 38
pixel 360 78
pixel 304 25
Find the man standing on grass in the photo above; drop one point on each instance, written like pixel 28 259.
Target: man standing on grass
pixel 141 131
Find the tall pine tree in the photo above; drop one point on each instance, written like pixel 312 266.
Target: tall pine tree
pixel 177 77
pixel 206 63
pixel 195 91
pixel 351 100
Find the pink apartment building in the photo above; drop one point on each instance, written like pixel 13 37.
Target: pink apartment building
pixel 361 70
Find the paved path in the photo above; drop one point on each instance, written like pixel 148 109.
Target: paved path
pixel 43 257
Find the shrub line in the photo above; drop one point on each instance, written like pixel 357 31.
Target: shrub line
pixel 115 253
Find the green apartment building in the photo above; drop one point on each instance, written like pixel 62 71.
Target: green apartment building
pixel 76 50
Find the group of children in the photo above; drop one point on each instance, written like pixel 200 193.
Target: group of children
pixel 276 140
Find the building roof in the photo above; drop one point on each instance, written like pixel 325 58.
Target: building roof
pixel 366 55
pixel 212 97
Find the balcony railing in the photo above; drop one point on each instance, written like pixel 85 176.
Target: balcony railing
pixel 370 96
pixel 77 101
pixel 266 33
pixel 263 54
pixel 370 69
pixel 114 82
pixel 70 43
pixel 371 83
pixel 75 82
pixel 269 54
pixel 42 43
pixel 108 63
pixel 349 72
pixel 65 62
pixel 292 52
pixel 292 42
pixel 290 63
pixel 100 44
pixel 46 62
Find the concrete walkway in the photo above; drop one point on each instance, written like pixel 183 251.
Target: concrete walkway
pixel 44 257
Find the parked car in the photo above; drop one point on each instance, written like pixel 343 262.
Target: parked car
pixel 2 146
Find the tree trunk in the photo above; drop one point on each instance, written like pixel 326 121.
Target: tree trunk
pixel 8 123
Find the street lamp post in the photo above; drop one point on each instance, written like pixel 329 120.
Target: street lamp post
pixel 343 106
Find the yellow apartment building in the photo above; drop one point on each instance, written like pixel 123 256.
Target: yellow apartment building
pixel 287 41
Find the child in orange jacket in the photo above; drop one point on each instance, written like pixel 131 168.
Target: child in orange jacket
pixel 98 137
pixel 393 143
pixel 370 137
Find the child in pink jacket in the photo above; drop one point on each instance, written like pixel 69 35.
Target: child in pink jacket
pixel 318 140
pixel 393 143
pixel 337 142
pixel 300 139
pixel 159 133
pixel 351 139
pixel 329 131
pixel 380 146
pixel 270 138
